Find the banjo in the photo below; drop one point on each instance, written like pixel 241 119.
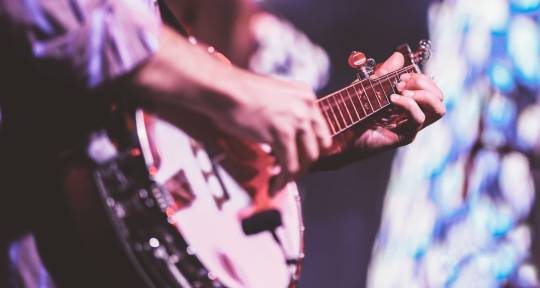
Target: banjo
pixel 186 214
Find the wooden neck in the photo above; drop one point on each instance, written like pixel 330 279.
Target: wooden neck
pixel 353 104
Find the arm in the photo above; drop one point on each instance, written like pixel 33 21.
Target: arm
pixel 280 113
pixel 118 47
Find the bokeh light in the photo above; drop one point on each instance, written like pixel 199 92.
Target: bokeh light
pixel 460 217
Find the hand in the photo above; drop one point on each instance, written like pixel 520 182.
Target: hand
pixel 282 114
pixel 200 93
pixel 420 104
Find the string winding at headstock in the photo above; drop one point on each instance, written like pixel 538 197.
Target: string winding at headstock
pixel 366 66
pixel 418 57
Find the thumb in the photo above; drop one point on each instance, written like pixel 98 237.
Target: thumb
pixel 395 62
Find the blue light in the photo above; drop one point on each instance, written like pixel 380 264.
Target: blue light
pixel 501 76
pixel 501 112
pixel 524 49
pixel 525 6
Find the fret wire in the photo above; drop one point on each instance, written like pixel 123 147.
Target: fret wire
pixel 334 113
pixel 401 70
pixel 345 105
pixel 404 69
pixel 397 79
pixel 384 91
pixel 391 84
pixel 360 99
pixel 367 97
pixel 340 112
pixel 382 87
pixel 354 106
pixel 335 107
pixel 374 91
pixel 327 116
pixel 407 69
pixel 336 126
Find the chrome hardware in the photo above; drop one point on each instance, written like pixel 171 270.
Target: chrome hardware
pixel 423 53
pixel 364 66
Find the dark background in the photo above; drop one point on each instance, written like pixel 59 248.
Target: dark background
pixel 342 209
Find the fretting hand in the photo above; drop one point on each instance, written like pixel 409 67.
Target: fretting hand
pixel 420 102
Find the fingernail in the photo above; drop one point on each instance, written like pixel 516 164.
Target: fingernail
pixel 405 77
pixel 394 97
pixel 408 93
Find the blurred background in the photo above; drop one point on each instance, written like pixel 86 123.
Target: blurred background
pixel 457 207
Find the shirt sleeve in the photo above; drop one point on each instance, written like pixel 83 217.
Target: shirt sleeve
pixel 97 40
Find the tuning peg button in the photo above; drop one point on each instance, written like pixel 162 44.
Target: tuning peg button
pixel 364 66
pixel 357 60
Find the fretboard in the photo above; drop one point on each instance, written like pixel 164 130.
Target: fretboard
pixel 353 104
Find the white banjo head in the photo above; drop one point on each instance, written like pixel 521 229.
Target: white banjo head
pixel 209 208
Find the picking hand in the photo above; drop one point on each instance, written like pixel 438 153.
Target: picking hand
pixel 284 115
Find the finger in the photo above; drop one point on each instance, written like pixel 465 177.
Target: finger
pixel 411 108
pixel 308 150
pixel 287 158
pixel 432 106
pixel 321 129
pixel 395 62
pixel 419 82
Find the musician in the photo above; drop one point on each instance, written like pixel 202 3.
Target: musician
pixel 63 61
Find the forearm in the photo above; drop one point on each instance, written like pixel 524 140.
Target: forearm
pixel 181 75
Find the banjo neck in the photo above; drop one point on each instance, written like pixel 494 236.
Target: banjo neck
pixel 355 103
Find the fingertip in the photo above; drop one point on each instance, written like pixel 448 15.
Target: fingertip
pixel 293 167
pixel 395 97
pixel 405 77
pixel 327 142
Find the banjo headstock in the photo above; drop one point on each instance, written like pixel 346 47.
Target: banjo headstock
pixel 420 56
pixel 366 66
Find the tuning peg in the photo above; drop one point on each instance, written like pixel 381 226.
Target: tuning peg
pixel 365 66
pixel 357 60
pixel 425 43
pixel 423 53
